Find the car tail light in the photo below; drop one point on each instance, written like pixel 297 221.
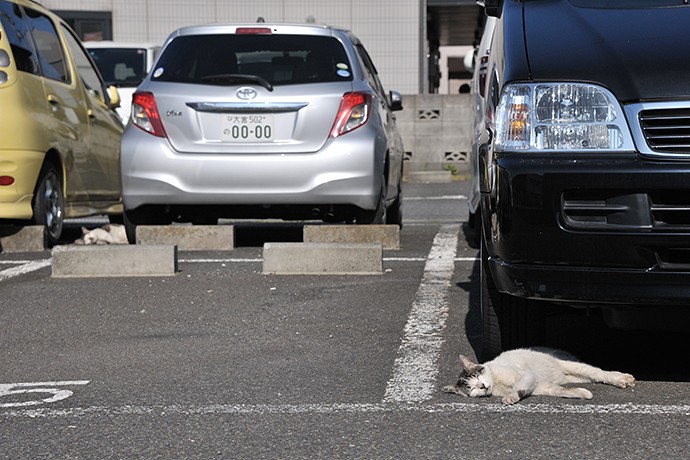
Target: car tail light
pixel 253 31
pixel 352 113
pixel 6 180
pixel 145 114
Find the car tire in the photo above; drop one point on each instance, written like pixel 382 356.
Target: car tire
pixel 394 213
pixel 130 222
pixel 142 216
pixel 49 203
pixel 376 216
pixel 507 321
pixel 474 224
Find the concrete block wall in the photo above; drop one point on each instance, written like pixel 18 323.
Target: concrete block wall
pixel 436 130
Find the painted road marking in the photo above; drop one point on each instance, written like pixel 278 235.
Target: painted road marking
pixel 10 389
pixel 258 260
pixel 415 369
pixel 33 265
pixel 221 261
pixel 441 197
pixel 23 269
pixel 296 409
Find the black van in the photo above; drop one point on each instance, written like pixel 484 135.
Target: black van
pixel 584 165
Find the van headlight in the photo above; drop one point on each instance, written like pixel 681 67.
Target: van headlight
pixel 560 116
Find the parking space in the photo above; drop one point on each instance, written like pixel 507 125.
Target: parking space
pixel 224 360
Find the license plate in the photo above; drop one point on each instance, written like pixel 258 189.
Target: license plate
pixel 247 128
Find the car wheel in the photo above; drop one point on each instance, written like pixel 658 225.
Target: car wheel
pixel 508 322
pixel 376 216
pixel 129 220
pixel 49 203
pixel 394 214
pixel 474 224
pixel 142 216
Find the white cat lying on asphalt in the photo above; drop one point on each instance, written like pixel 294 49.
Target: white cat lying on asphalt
pixel 517 374
pixel 108 234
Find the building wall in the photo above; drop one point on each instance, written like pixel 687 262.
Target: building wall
pixel 391 30
pixel 436 131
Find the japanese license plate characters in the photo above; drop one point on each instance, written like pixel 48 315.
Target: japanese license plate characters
pixel 244 128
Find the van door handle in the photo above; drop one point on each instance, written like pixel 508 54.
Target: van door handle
pixel 92 116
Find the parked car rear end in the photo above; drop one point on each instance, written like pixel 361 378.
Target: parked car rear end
pixel 259 120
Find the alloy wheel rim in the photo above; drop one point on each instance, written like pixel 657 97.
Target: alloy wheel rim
pixel 52 206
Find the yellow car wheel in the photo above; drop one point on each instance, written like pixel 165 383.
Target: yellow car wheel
pixel 49 203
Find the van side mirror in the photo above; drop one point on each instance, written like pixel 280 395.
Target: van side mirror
pixel 492 7
pixel 396 101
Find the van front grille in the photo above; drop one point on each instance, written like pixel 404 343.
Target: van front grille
pixel 667 130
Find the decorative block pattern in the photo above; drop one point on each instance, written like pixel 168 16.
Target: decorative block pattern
pixel 436 129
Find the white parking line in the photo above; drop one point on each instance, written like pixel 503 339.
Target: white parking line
pixel 28 266
pixel 415 368
pixel 296 409
pixel 441 197
pixel 258 260
pixel 23 269
pixel 220 261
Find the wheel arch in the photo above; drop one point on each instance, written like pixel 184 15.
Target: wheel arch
pixel 53 157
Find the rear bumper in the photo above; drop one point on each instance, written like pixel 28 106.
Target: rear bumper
pixel 24 167
pixel 341 173
pixel 590 229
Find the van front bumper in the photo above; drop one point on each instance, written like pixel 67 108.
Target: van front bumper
pixel 606 228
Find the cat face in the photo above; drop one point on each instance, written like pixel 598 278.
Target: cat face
pixel 473 381
pixel 474 384
pixel 94 236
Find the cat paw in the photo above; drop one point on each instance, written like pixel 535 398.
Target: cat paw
pixel 451 389
pixel 584 393
pixel 624 381
pixel 510 399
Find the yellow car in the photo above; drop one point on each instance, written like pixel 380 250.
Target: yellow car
pixel 59 133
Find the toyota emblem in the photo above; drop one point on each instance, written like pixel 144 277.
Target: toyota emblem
pixel 246 93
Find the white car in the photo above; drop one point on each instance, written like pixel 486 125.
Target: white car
pixel 123 65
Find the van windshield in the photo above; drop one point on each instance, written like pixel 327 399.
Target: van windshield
pixel 121 67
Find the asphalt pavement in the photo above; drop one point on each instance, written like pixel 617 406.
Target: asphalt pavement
pixel 223 361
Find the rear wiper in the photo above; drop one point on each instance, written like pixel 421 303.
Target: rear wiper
pixel 237 78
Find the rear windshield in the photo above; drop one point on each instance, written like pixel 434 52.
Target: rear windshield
pixel 122 67
pixel 278 59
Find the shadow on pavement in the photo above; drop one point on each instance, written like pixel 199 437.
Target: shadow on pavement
pixel 649 355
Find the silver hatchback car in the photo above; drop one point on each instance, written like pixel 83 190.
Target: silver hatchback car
pixel 262 121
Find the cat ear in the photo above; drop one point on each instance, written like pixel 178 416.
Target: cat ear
pixel 470 365
pixel 84 230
